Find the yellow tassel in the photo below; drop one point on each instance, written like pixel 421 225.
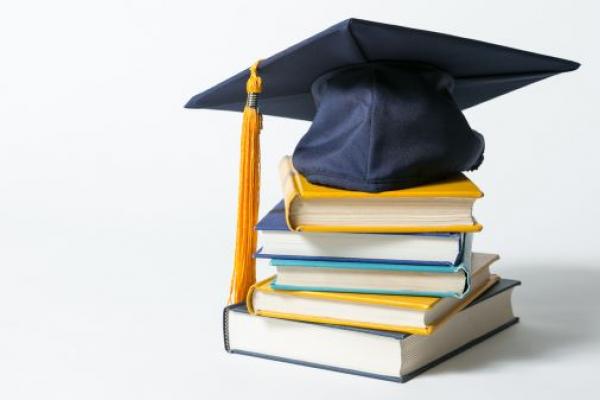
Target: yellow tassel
pixel 244 268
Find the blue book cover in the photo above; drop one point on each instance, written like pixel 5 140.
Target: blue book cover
pixel 275 221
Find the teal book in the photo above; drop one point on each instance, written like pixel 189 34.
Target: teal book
pixel 380 278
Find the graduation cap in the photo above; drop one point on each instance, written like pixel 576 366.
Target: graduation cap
pixel 385 104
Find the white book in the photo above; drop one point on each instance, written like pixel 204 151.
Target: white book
pixel 373 353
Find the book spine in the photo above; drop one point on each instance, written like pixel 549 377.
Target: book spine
pixel 250 295
pixel 464 250
pixel 226 311
pixel 289 188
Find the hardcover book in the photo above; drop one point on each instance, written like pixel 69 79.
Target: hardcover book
pixel 373 353
pixel 442 206
pixel 278 242
pixel 362 277
pixel 412 314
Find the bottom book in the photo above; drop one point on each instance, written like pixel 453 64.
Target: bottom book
pixel 377 354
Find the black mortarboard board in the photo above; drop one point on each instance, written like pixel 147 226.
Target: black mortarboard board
pixel 385 102
pixel 415 131
pixel 481 70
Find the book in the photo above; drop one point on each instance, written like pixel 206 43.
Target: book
pixel 413 314
pixel 277 241
pixel 373 353
pixel 443 206
pixel 360 277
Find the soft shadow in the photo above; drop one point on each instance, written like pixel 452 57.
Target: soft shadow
pixel 558 308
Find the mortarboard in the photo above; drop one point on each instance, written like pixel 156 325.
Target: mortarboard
pixel 385 104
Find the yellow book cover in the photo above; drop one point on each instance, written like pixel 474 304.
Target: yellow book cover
pixel 416 303
pixel 297 189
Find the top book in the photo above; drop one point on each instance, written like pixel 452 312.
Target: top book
pixel 443 206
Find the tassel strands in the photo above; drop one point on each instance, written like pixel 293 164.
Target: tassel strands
pixel 244 268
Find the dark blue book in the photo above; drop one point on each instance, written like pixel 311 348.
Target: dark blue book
pixel 433 249
pixel 372 353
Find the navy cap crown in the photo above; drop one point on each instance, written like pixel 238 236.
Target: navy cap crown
pixel 385 126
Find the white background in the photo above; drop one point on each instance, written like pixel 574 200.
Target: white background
pixel 117 205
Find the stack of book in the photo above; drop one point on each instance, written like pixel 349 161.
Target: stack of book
pixel 377 284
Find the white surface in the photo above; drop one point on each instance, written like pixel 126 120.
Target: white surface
pixel 114 257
